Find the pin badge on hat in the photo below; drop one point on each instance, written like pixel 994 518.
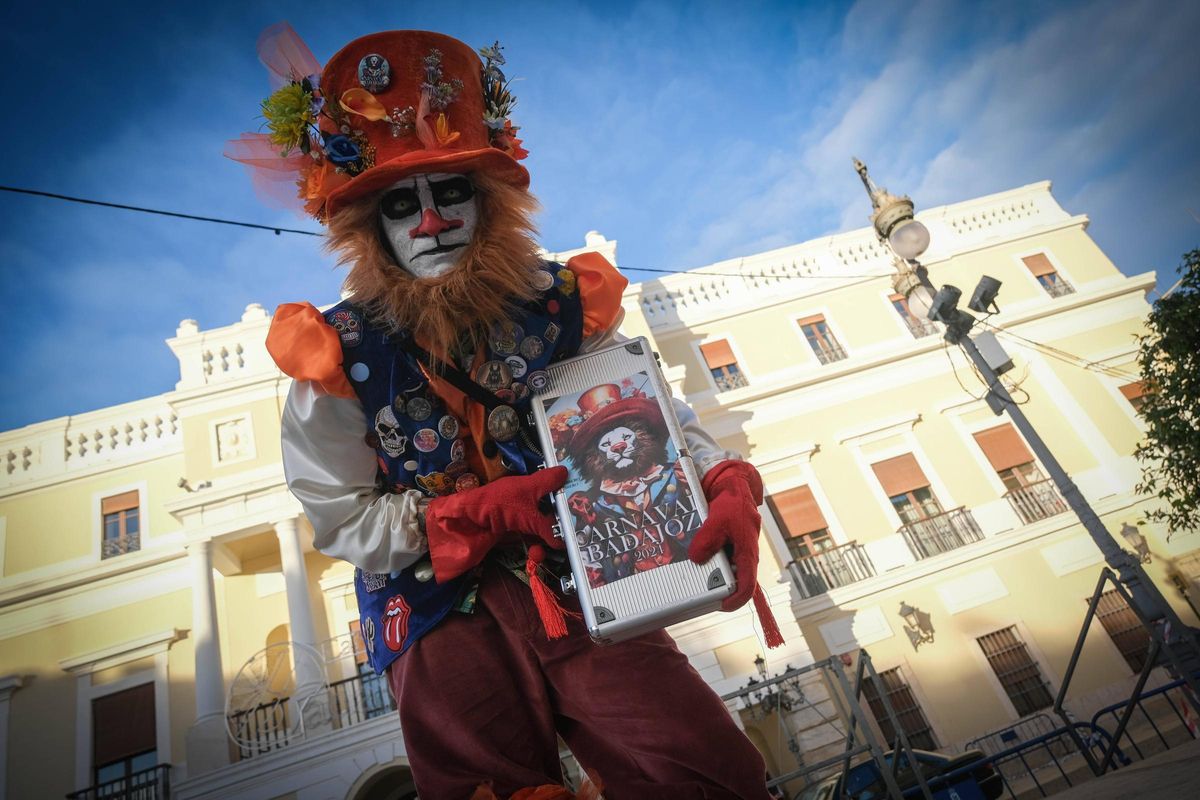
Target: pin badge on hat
pixel 374 73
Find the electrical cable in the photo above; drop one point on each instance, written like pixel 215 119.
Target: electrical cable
pixel 954 371
pixel 1065 356
pixel 277 229
pixel 1068 358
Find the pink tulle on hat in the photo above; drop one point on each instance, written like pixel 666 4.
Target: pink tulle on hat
pixel 286 57
pixel 275 177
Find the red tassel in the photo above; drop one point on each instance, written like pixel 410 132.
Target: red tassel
pixel 552 614
pixel 767 618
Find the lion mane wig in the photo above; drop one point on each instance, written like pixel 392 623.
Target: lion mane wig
pixel 493 276
pixel 651 449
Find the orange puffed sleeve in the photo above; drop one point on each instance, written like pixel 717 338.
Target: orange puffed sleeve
pixel 600 290
pixel 307 349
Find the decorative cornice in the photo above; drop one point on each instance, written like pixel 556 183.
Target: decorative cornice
pixel 122 653
pixel 874 431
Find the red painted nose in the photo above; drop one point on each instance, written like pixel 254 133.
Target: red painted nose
pixel 433 224
pixel 619 447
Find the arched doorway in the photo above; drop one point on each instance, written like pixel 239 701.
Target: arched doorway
pixel 387 783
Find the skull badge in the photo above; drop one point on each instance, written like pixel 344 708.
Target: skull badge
pixel 388 428
pixel 348 327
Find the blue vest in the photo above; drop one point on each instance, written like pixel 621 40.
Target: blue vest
pixel 420 444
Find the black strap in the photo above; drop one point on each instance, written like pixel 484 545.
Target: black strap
pixel 461 381
pixel 457 378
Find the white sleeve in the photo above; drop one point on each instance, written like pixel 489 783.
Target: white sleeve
pixel 706 453
pixel 331 471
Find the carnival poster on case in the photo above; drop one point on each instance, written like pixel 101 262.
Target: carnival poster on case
pixel 631 503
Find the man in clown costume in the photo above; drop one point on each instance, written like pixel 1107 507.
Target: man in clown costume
pixel 405 438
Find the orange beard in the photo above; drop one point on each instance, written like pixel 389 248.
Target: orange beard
pixel 493 277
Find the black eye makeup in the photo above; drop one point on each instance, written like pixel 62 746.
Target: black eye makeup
pixel 451 191
pixel 400 203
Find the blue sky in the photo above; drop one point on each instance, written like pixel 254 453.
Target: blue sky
pixel 689 132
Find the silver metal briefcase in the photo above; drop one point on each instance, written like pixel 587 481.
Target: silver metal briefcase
pixel 632 502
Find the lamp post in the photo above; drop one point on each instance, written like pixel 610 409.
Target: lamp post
pixel 895 225
pixel 776 696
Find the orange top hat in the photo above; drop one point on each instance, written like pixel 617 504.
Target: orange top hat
pixel 617 413
pixel 386 106
pixel 459 141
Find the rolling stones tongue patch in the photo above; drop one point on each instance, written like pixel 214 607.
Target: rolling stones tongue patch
pixel 395 623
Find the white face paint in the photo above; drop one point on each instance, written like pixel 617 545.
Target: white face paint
pixel 619 445
pixel 429 219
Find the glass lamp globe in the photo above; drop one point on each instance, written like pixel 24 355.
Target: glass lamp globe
pixel 909 239
pixel 920 300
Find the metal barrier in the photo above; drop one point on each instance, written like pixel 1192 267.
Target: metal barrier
pixel 1045 746
pixel 1172 737
pixel 1177 649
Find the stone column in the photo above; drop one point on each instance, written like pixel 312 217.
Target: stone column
pixel 310 674
pixel 207 740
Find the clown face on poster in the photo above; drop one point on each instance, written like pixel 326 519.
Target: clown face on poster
pixel 629 498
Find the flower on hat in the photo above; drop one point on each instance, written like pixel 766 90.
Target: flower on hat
pixel 363 103
pixel 498 102
pixel 289 114
pixel 506 139
pixel 440 93
pixel 341 149
pixel 442 130
pixel 317 180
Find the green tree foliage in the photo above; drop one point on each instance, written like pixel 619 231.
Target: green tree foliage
pixel 1170 364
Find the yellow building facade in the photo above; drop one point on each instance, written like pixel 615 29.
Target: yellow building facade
pixel 160 602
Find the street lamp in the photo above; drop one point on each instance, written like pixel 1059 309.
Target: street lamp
pixel 890 216
pixel 766 695
pixel 917 624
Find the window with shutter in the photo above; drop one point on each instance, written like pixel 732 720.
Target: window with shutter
pixel 120 524
pixel 1041 268
pixel 907 487
pixel 124 740
pixel 800 518
pixel 824 344
pixel 1135 393
pixel 723 366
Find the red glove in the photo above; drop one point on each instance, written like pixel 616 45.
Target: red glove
pixel 461 528
pixel 734 490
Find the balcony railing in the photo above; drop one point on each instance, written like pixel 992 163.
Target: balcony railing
pixel 941 533
pixel 920 328
pixel 149 784
pixel 1036 501
pixel 839 566
pixel 829 352
pixel 261 729
pixel 1059 288
pixel 729 382
pixel 129 543
pixel 351 701
pixel 360 698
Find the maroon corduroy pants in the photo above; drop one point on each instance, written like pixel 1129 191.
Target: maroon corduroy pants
pixel 484 696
